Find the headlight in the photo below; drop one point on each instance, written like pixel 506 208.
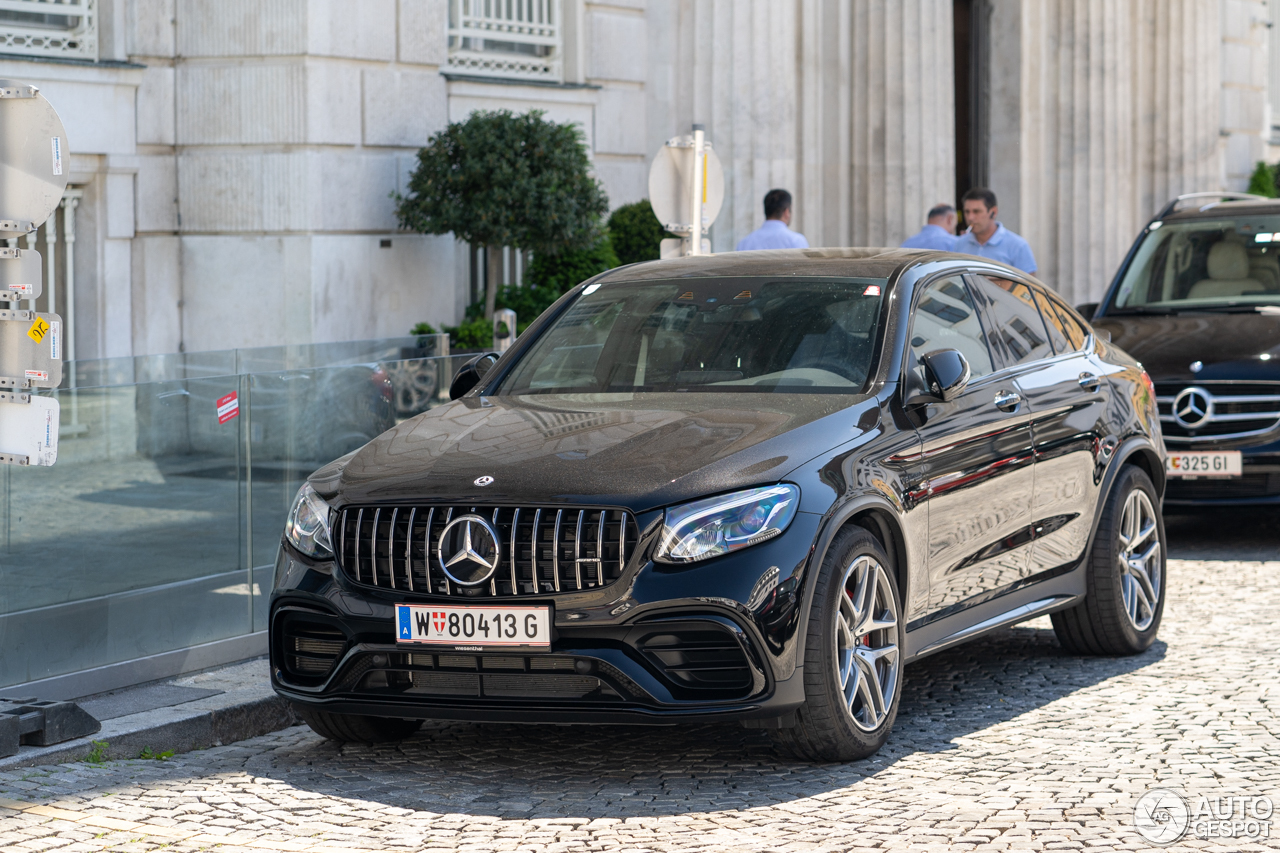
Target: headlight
pixel 308 526
pixel 715 526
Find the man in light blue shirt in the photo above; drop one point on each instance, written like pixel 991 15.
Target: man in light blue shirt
pixel 988 238
pixel 775 233
pixel 939 234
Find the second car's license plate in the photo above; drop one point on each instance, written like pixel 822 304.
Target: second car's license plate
pixel 1221 463
pixel 473 625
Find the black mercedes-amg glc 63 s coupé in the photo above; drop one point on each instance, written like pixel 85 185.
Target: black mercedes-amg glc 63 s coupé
pixel 743 487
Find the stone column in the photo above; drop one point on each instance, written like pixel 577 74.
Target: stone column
pixel 902 119
pixel 1065 173
pixel 731 66
pixel 1176 88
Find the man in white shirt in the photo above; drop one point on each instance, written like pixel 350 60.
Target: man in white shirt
pixel 775 233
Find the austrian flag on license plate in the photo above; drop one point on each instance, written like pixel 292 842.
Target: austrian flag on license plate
pixel 473 626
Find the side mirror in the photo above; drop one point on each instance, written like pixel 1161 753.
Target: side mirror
pixel 1087 309
pixel 470 374
pixel 946 374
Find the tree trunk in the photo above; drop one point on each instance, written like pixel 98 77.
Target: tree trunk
pixel 493 272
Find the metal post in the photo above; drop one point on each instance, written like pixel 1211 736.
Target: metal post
pixel 69 205
pixel 697 191
pixel 50 247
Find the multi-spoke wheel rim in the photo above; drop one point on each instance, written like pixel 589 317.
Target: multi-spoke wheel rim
pixel 866 637
pixel 1141 566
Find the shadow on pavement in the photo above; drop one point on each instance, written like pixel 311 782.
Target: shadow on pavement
pixel 514 771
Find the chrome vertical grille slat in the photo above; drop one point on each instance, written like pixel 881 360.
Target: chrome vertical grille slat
pixel 395 547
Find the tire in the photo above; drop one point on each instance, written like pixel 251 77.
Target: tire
pixel 1125 579
pixel 849 637
pixel 353 728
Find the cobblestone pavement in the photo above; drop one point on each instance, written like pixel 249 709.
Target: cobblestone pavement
pixel 1004 744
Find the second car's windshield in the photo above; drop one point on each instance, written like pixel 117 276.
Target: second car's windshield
pixel 1203 264
pixel 708 334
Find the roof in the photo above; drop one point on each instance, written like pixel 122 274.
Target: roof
pixel 868 262
pixel 1214 209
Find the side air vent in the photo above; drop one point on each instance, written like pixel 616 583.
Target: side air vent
pixel 309 647
pixel 696 660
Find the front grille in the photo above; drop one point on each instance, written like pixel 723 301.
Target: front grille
pixel 541 549
pixel 310 647
pixel 1236 410
pixel 506 677
pixel 695 660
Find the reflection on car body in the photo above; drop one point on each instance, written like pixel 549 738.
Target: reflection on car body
pixel 742 487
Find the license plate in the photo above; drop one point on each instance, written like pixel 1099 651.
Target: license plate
pixel 473 625
pixel 1223 463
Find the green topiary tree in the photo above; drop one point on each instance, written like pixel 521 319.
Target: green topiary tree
pixel 636 234
pixel 501 179
pixel 548 278
pixel 1263 181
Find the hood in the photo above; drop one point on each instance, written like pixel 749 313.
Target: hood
pixel 1228 345
pixel 637 451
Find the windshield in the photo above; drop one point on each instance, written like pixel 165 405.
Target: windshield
pixel 793 335
pixel 1203 264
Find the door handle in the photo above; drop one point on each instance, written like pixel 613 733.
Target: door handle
pixel 1089 382
pixel 1008 401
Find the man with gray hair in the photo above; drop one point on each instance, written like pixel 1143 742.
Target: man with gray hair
pixel 939 234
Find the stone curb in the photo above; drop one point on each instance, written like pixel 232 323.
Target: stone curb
pixel 180 728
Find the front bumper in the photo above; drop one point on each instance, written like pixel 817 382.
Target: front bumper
pixel 715 640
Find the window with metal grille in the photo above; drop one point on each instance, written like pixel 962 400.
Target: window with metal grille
pixel 506 38
pixel 62 28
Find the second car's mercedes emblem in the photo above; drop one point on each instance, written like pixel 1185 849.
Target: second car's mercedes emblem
pixel 1192 407
pixel 483 481
pixel 468 550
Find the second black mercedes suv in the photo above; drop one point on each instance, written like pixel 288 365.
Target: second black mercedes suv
pixel 1197 301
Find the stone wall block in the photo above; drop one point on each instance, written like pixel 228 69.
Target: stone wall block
pixel 157 195
pixel 156 289
pixel 241 27
pixel 220 192
pixel 616 46
pixel 619 121
pixel 356 29
pixel 150 28
pixel 155 106
pixel 333 102
pixel 422 35
pixel 403 108
pixel 242 104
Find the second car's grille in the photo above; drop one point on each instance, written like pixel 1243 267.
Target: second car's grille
pixel 539 550
pixel 1217 411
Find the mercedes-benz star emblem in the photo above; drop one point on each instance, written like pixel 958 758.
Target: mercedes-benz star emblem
pixel 1192 407
pixel 483 481
pixel 473 551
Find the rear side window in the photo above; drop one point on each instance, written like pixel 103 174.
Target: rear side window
pixel 1019 332
pixel 1075 331
pixel 946 318
pixel 1057 334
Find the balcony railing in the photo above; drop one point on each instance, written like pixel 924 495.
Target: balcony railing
pixel 61 28
pixel 506 38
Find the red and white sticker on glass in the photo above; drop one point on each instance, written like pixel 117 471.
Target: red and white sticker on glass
pixel 228 407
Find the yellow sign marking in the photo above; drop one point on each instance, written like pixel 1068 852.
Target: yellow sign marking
pixel 38 330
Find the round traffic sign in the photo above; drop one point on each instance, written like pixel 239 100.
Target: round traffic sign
pixel 669 185
pixel 34 162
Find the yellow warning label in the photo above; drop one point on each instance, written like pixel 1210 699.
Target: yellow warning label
pixel 38 330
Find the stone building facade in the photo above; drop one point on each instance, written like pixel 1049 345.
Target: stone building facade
pixel 234 161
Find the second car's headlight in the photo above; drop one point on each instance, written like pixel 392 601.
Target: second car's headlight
pixel 307 528
pixel 715 526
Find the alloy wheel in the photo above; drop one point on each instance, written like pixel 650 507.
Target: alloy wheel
pixel 1140 560
pixel 866 638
